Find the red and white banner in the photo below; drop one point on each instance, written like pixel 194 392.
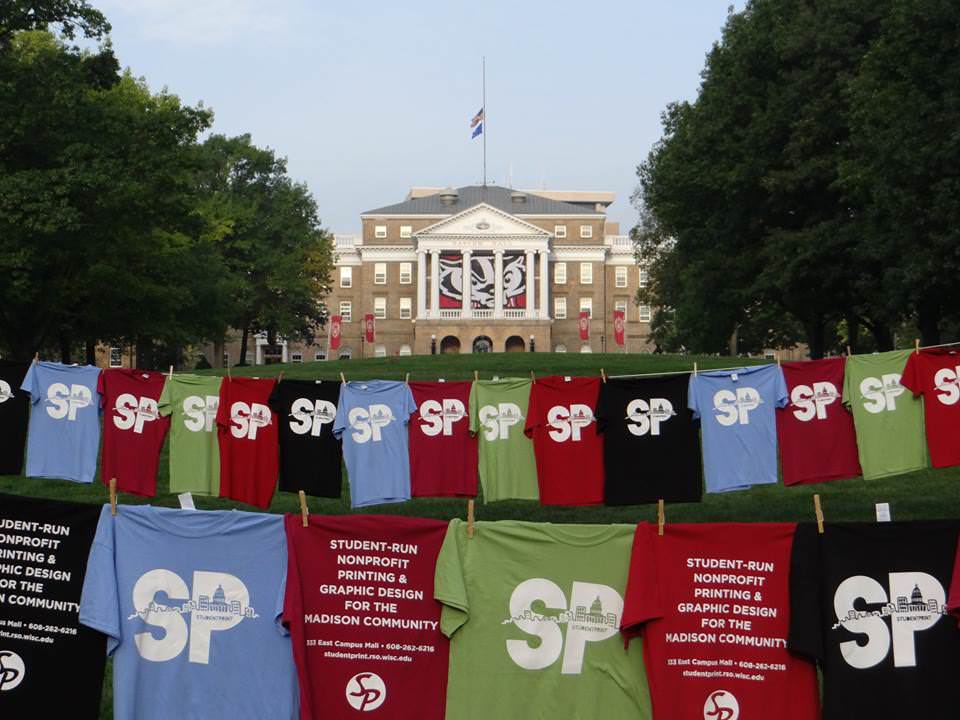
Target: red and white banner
pixel 369 327
pixel 618 333
pixel 334 341
pixel 584 325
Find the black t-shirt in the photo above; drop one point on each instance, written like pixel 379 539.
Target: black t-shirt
pixel 50 664
pixel 310 455
pixel 14 413
pixel 651 441
pixel 868 603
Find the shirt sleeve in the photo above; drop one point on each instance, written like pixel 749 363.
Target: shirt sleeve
pixel 340 419
pixel 780 387
pixel 102 389
pixel 99 601
pixel 283 560
pixel 909 378
pixel 642 601
pixel 450 587
pixel 692 402
pixel 474 410
pixel 805 636
pixel 165 403
pixel 847 398
pixel 223 407
pixel 31 383
pixel 533 411
pixel 409 404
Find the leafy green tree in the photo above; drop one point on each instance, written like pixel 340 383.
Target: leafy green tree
pixel 70 17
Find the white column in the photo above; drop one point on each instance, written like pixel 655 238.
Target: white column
pixel 283 352
pixel 544 284
pixel 530 272
pixel 434 283
pixel 467 283
pixel 498 283
pixel 421 284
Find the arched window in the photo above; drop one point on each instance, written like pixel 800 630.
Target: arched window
pixel 450 345
pixel 405 350
pixel 585 348
pixel 560 348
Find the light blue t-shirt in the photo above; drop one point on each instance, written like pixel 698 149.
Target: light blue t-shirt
pixel 64 431
pixel 372 422
pixel 190 601
pixel 737 411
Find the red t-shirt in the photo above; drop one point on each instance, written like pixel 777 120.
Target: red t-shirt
pixel 712 603
pixel 935 374
pixel 133 429
pixel 443 454
pixel 247 433
pixel 363 621
pixel 815 430
pixel 561 419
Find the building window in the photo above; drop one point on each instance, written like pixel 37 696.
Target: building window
pixel 586 348
pixel 379 273
pixel 320 355
pixel 296 357
pixel 345 353
pixel 560 273
pixel 116 357
pixel 643 278
pixel 560 231
pixel 346 311
pixel 380 231
pixel 406 305
pixel 380 308
pixel 586 231
pixel 559 308
pixel 621 276
pixel 645 313
pixel 586 305
pixel 560 348
pixel 379 351
pixel 346 277
pixel 586 273
pixel 405 350
pixel 406 231
pixel 406 273
pixel 621 305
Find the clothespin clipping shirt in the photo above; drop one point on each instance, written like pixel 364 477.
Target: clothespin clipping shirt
pixel 304 515
pixel 470 518
pixel 603 375
pixel 343 378
pixel 113 496
pixel 818 511
pixel 661 517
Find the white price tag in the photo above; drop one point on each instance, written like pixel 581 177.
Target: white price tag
pixel 883 512
pixel 186 501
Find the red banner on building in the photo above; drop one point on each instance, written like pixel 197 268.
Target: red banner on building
pixel 334 341
pixel 618 333
pixel 369 327
pixel 584 325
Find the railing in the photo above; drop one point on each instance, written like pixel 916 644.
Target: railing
pixel 449 314
pixel 514 313
pixel 482 314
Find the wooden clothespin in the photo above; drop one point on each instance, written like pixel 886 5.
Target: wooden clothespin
pixel 470 517
pixel 916 345
pixel 694 368
pixel 661 517
pixel 229 376
pixel 476 375
pixel 36 358
pixel 603 375
pixel 304 515
pixel 848 351
pixel 407 379
pixel 280 376
pixel 818 511
pixel 113 496
pixel 532 376
pixel 776 354
pixel 170 374
pixel 343 378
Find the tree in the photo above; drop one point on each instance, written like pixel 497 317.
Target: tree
pixel 70 16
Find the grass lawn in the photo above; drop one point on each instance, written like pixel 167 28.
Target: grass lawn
pixel 925 494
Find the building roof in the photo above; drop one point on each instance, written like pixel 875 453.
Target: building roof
pixel 499 197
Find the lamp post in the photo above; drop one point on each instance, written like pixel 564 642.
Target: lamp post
pixel 433 344
pixel 533 344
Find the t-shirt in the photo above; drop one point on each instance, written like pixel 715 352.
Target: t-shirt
pixel 364 624
pixel 739 428
pixel 712 604
pixel 247 431
pixel 372 423
pixel 815 430
pixel 48 660
pixel 310 456
pixel 935 374
pixel 190 601
pixel 498 409
pixel 13 416
pixel 133 429
pixel 64 434
pixel 532 611
pixel 889 420
pixel 868 603
pixel 651 442
pixel 192 402
pixel 561 420
pixel 443 453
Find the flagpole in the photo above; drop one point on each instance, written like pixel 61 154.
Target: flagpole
pixel 484 106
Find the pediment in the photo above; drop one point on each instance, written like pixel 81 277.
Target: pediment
pixel 482 220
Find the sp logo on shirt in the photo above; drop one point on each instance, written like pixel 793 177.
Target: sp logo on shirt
pixel 947 382
pixel 133 412
pixel 200 412
pixel 645 416
pixel 592 615
pixel 5 392
pixel 247 418
pixel 735 408
pixel 219 602
pixel 438 418
pixel 368 421
pixel 366 691
pixel 811 402
pixel 309 416
pixel 880 394
pixel 12 670
pixel 721 705
pixel 65 401
pixel 916 602
pixel 498 419
pixel 568 422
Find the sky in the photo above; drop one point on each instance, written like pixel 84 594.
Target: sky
pixel 366 99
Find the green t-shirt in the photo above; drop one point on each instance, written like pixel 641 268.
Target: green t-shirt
pixel 888 418
pixel 533 613
pixel 192 401
pixel 498 411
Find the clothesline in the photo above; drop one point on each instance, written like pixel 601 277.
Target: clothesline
pixel 685 372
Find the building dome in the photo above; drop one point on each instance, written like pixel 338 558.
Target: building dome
pixel 220 596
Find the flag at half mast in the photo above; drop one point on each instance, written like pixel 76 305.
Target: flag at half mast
pixel 477 123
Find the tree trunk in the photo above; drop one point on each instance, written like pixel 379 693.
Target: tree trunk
pixel 243 346
pixel 732 345
pixel 218 348
pixel 815 337
pixel 928 322
pixel 882 336
pixel 91 351
pixel 853 331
